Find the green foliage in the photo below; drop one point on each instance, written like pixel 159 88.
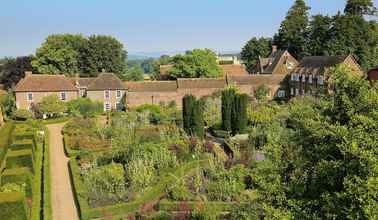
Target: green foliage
pixel 71 54
pixel 105 53
pixel 292 32
pixel 52 106
pixel 261 93
pixel 19 159
pixel 134 74
pixel 318 34
pixel 84 107
pixel 8 104
pixel 60 53
pixel 13 206
pixel 228 96
pixel 197 63
pixel 253 49
pixel 105 182
pixel 193 116
pixel 359 7
pixel 212 111
pixel 22 114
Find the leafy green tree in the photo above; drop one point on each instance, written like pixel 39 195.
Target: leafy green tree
pixel 198 63
pixel 239 114
pixel 253 49
pixel 52 105
pixel 187 111
pixel 134 74
pixel 8 104
pixel 105 53
pixel 359 7
pixel 61 53
pixel 354 35
pixel 13 70
pixel 261 93
pixel 318 35
pixel 292 33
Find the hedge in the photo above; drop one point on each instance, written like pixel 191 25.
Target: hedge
pixel 151 194
pixel 13 206
pixel 74 153
pixel 171 206
pixel 46 184
pixel 19 176
pixel 20 158
pixel 5 140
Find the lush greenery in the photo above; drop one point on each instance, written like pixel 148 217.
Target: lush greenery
pixel 71 54
pixel 84 107
pixel 193 116
pixel 253 50
pixel 234 111
pixel 198 63
pixel 13 70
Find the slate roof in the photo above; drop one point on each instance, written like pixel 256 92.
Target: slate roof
pixel 105 81
pixel 151 86
pixel 44 83
pixel 201 83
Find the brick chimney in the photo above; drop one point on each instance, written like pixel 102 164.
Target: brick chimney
pixel 274 48
pixel 28 73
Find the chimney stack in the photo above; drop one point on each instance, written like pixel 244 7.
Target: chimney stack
pixel 274 48
pixel 28 73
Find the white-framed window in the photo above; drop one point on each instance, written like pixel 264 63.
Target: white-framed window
pixel 303 92
pixel 310 79
pixel 303 78
pixel 107 106
pixel 291 91
pixel 63 96
pixel 297 77
pixel 296 91
pixel 119 94
pixel 281 93
pixel 82 92
pixel 320 80
pixel 107 94
pixel 292 77
pixel 29 96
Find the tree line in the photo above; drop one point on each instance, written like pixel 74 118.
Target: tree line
pixel 322 35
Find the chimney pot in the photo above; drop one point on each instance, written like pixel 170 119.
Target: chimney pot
pixel 274 48
pixel 28 73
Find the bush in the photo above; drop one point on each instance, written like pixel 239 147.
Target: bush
pixel 52 106
pixel 22 115
pixel 19 159
pixel 84 107
pixel 13 206
pixel 16 178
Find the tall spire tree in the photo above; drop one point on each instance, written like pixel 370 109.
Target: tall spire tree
pixel 292 33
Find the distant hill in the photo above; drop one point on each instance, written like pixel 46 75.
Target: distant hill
pixel 157 54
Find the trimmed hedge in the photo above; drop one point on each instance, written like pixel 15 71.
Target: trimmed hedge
pixel 5 140
pixel 19 176
pixel 20 158
pixel 171 206
pixel 13 206
pixel 46 199
pixel 74 153
pixel 150 195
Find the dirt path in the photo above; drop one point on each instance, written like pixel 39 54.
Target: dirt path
pixel 62 199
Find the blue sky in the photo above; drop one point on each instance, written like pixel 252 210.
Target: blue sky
pixel 147 25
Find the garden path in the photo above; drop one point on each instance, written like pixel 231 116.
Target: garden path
pixel 62 199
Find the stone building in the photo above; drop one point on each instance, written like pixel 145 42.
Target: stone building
pixel 278 62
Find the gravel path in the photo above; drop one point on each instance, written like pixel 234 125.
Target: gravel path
pixel 62 199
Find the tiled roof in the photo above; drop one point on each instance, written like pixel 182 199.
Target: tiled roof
pixel 105 81
pixel 234 69
pixel 318 64
pixel 151 86
pixel 256 80
pixel 44 83
pixel 200 83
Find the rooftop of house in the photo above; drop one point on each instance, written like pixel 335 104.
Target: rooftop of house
pixel 318 64
pixel 105 81
pixel 278 62
pixel 43 83
pixel 151 86
pixel 256 80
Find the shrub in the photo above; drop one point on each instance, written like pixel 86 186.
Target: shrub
pixel 84 107
pixel 13 206
pixel 19 159
pixel 105 182
pixel 22 115
pixel 52 106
